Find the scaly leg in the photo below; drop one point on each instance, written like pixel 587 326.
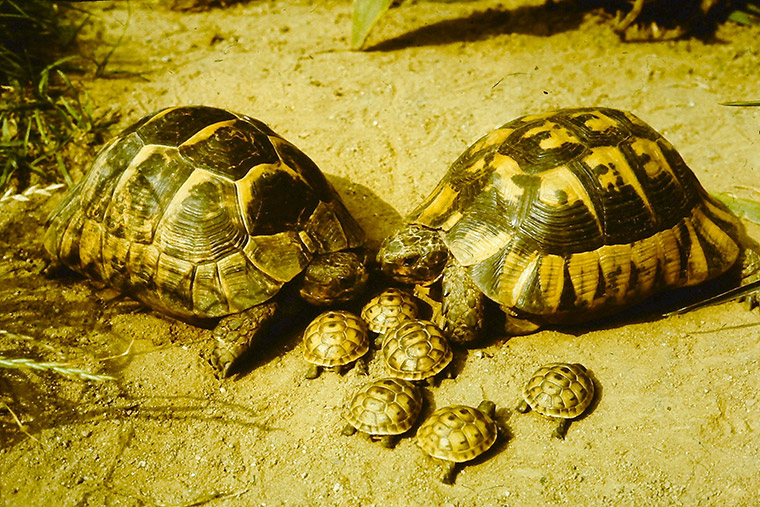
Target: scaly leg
pixel 236 333
pixel 463 305
pixel 517 326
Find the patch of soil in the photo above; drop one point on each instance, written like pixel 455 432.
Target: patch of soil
pixel 677 418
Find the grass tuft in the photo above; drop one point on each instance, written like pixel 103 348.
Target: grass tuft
pixel 42 112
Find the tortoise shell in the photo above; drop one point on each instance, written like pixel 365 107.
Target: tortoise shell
pixel 388 309
pixel 561 390
pixel 335 338
pixel 578 212
pixel 416 350
pixel 457 433
pixel 199 213
pixel 388 406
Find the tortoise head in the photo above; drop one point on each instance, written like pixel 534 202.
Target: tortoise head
pixel 334 277
pixel 413 254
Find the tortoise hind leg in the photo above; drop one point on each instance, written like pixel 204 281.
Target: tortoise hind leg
pixel 235 334
pixel 313 372
pixel 515 325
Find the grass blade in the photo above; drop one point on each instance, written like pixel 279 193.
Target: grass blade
pixel 366 14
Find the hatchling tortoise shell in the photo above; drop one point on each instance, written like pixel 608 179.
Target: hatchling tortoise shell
pixel 458 433
pixel 388 309
pixel 562 391
pixel 334 339
pixel 384 408
pixel 202 213
pixel 416 350
pixel 563 217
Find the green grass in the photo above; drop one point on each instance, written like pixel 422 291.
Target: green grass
pixel 747 13
pixel 365 15
pixel 41 110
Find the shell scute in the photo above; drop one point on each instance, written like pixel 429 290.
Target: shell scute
pixel 388 309
pixel 175 125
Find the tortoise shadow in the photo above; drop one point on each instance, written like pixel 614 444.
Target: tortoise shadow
pixel 539 20
pixel 378 218
pixel 551 18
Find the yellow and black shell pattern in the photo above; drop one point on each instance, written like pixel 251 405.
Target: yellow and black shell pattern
pixel 200 213
pixel 388 406
pixel 578 212
pixel 457 433
pixel 562 390
pixel 335 338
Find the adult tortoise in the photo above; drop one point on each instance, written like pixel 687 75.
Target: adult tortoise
pixel 564 217
pixel 201 213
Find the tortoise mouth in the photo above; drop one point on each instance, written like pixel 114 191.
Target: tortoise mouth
pixel 412 275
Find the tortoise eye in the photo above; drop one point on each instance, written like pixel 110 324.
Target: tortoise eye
pixel 411 260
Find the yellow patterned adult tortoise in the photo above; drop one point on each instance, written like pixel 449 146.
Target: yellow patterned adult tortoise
pixel 564 217
pixel 202 213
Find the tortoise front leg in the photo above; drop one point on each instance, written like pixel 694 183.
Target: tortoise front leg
pixel 360 366
pixel 463 305
pixel 388 441
pixel 236 333
pixel 348 430
pixel 523 407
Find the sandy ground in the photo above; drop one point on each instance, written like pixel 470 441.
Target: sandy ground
pixel 677 418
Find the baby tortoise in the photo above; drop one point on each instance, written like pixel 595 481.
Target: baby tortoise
pixel 207 215
pixel 333 340
pixel 564 217
pixel 562 391
pixel 384 409
pixel 416 350
pixel 457 434
pixel 388 309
